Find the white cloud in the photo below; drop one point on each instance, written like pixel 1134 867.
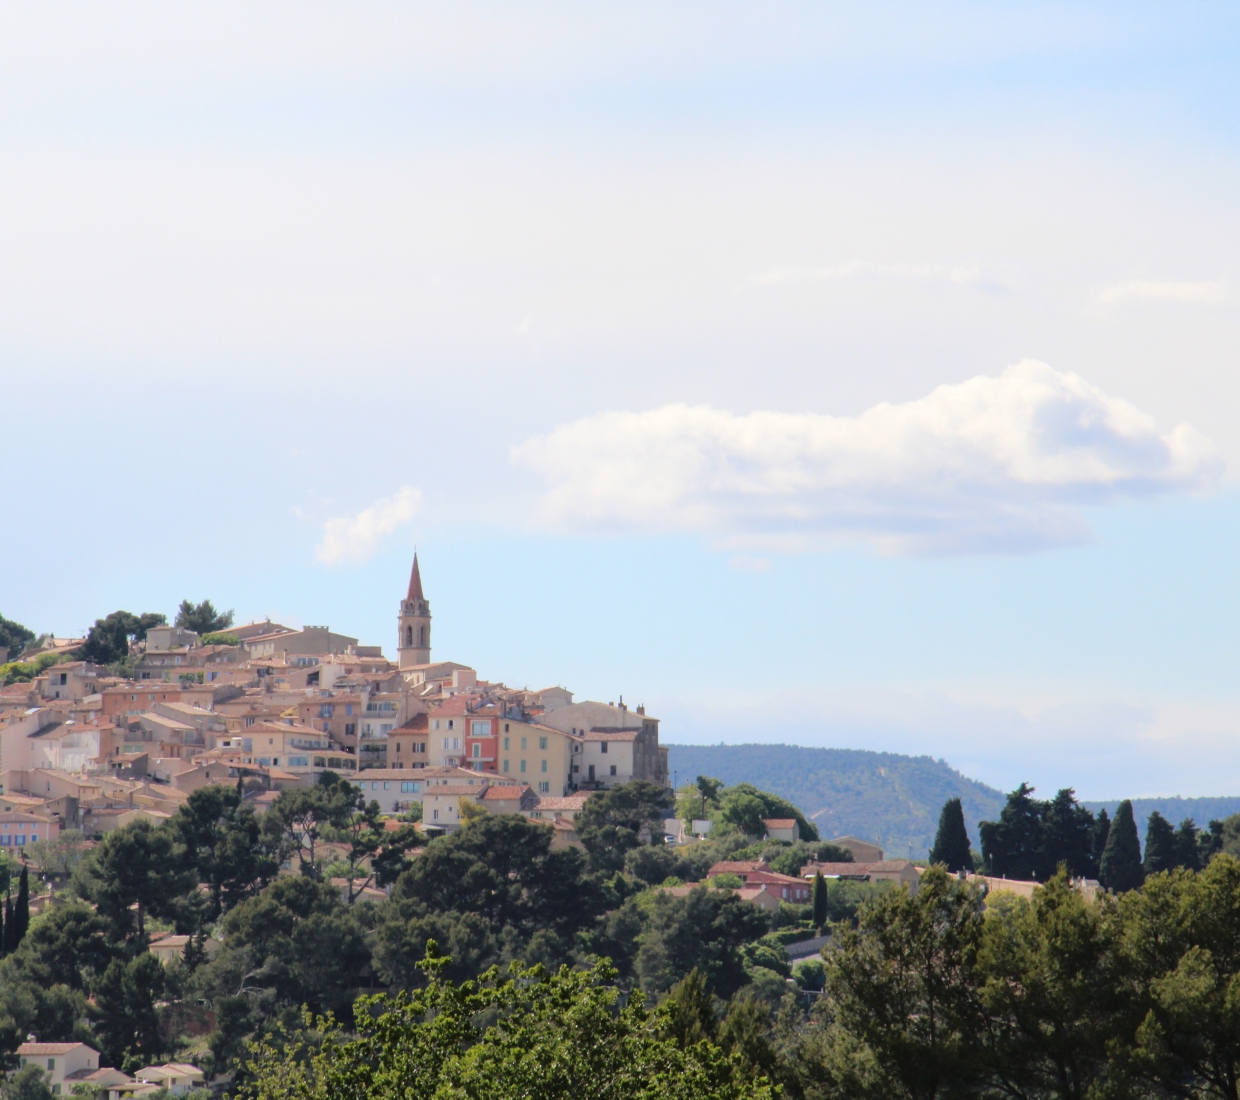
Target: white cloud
pixel 965 276
pixel 353 539
pixel 991 464
pixel 1144 290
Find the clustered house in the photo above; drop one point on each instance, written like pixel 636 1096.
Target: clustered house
pixel 275 707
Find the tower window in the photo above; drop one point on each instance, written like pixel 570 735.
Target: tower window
pixel 408 636
pixel 422 636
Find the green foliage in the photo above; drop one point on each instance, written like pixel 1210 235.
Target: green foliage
pixel 559 1036
pixel 1167 848
pixel 891 799
pixel 727 881
pixel 139 870
pixel 58 858
pixel 704 930
pixel 14 637
pixel 1121 858
pixel 614 822
pixel 125 1013
pixel 819 902
pixel 220 637
pixel 202 618
pixel 107 642
pixel 1033 837
pixel 29 1083
pixel 22 672
pixel 746 807
pixel 951 842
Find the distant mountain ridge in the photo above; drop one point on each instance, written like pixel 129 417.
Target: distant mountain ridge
pixel 1175 810
pixel 889 798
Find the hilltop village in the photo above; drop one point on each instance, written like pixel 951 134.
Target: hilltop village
pixel 276 707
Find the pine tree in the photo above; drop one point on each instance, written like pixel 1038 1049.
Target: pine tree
pixel 1188 845
pixel 951 842
pixel 1121 858
pixel 1161 849
pixel 820 901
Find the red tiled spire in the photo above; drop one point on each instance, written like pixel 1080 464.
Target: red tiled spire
pixel 415 581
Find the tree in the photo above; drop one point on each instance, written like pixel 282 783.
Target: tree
pixel 21 909
pixel 561 1035
pixel 125 1011
pixel 951 843
pixel 1052 988
pixel 1120 868
pixel 1067 838
pixel 704 930
pixel 10 944
pixel 295 821
pixel 819 902
pixel 903 984
pixel 1102 829
pixel 1161 848
pixel 140 866
pixel 202 618
pixel 295 943
pixel 28 1083
pixel 614 821
pixel 107 642
pixel 746 807
pixel 14 637
pixel 1181 948
pixel 1012 846
pixel 709 790
pixel 223 845
pixel 690 1011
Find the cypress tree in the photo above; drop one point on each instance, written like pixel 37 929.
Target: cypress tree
pixel 951 842
pixel 1161 848
pixel 1102 827
pixel 21 910
pixel 1188 845
pixel 9 926
pixel 1121 858
pixel 820 901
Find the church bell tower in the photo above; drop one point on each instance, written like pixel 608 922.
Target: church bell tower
pixel 413 643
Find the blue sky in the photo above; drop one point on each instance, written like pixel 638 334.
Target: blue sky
pixel 695 345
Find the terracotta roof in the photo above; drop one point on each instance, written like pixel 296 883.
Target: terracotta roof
pixel 568 802
pixel 417 724
pixel 504 792
pixel 37 1049
pixel 737 867
pixel 455 789
pixel 780 822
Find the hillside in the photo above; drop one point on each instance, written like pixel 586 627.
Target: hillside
pixel 892 799
pixel 1175 810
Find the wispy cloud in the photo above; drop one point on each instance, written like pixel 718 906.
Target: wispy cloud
pixel 353 539
pixel 1145 290
pixel 992 464
pixel 964 276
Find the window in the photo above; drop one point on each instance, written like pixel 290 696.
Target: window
pixel 603 747
pixel 544 766
pixel 480 729
pixel 523 765
pixel 505 765
pixel 348 710
pixel 544 787
pixel 506 740
pixel 450 723
pixel 542 742
pixel 325 710
pixel 387 786
pixel 456 742
pixel 434 815
pixel 374 786
pixel 613 769
pixel 445 742
pixel 51 1063
pixel 410 787
pixel 523 742
pixel 436 723
pixel 505 727
pixel 477 750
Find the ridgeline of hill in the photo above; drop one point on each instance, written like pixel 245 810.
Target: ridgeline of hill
pixel 1175 810
pixel 881 796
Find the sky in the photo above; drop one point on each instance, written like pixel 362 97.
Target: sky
pixel 859 376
